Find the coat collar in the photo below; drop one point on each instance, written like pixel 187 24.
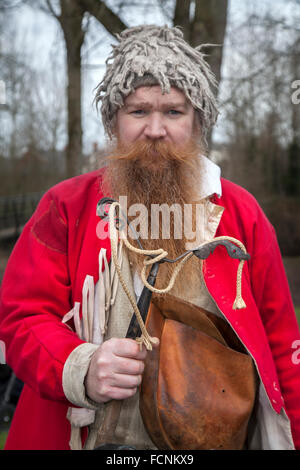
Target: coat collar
pixel 209 178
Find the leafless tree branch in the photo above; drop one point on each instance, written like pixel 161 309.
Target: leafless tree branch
pixel 51 10
pixel 97 8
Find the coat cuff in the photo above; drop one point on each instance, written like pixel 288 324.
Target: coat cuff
pixel 74 373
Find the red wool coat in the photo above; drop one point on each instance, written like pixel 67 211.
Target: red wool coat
pixel 45 274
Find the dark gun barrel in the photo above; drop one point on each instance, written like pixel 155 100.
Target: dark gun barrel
pixel 134 330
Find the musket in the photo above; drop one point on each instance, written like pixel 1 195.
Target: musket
pixel 113 408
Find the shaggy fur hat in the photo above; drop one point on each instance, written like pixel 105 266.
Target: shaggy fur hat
pixel 151 55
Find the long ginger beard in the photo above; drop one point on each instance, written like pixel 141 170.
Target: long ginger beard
pixel 156 173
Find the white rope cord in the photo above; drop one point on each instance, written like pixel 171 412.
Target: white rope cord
pixel 173 277
pixel 238 302
pixel 160 254
pixel 145 338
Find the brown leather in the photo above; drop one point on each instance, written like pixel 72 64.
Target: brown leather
pixel 197 391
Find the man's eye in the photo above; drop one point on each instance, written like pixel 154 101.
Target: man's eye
pixel 138 112
pixel 174 112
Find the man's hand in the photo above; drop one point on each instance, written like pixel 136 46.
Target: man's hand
pixel 115 370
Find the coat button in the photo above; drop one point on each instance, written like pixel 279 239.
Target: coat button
pixel 210 275
pixel 275 386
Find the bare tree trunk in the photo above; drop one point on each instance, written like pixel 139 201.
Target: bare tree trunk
pixel 70 19
pixel 182 17
pixel 72 12
pixel 71 22
pixel 207 26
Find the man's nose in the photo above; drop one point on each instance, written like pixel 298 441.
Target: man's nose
pixel 155 127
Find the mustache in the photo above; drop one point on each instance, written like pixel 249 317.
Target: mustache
pixel 145 153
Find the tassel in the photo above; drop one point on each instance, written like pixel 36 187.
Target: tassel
pixel 239 302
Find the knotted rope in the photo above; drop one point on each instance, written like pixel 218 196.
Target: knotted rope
pixel 157 255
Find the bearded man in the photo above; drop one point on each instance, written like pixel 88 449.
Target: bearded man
pixel 207 372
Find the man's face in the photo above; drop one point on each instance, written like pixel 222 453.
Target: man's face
pixel 156 161
pixel 148 115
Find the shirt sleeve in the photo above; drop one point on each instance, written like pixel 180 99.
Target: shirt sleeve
pixel 273 298
pixel 35 295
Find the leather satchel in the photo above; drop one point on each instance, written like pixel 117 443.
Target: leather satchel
pixel 199 385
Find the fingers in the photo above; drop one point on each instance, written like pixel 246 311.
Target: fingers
pixel 126 347
pixel 117 387
pixel 122 365
pixel 122 356
pixel 116 393
pixel 115 370
pixel 126 381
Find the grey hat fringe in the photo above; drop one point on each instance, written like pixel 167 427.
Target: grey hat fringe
pixel 162 54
